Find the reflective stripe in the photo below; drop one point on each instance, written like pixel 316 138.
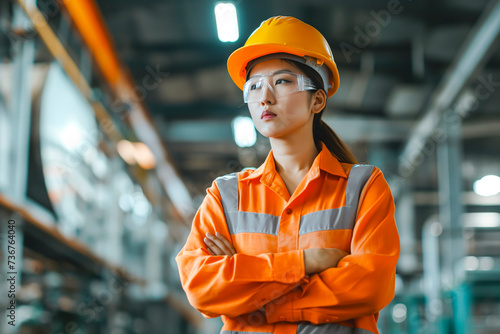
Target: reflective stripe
pixel 304 328
pixel 228 188
pixel 332 219
pixel 251 222
pixel 343 217
pixel 358 176
pixel 240 221
pixel 238 332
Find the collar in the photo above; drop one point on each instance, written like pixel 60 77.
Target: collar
pixel 324 161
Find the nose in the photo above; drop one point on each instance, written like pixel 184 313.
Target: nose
pixel 267 95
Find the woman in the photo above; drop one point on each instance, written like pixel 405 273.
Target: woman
pixel 306 243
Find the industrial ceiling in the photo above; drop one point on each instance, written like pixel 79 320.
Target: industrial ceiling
pixel 391 61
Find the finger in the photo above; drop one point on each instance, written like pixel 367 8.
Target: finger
pixel 209 250
pixel 226 242
pixel 213 247
pixel 219 244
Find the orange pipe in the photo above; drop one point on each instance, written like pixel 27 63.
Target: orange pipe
pixel 91 25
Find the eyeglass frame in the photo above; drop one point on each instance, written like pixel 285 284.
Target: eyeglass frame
pixel 304 83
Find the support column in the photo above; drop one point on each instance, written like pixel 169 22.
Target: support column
pixel 449 164
pixel 20 110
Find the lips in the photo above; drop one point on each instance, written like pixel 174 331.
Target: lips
pixel 267 114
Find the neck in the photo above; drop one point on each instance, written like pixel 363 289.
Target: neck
pixel 294 155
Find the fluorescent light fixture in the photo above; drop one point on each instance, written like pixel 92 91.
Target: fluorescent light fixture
pixel 227 22
pixel 489 185
pixel 244 131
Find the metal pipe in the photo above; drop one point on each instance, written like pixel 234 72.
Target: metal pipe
pixel 431 232
pixel 475 51
pixel 449 162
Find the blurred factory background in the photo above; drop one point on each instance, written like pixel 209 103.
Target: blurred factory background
pixel 115 116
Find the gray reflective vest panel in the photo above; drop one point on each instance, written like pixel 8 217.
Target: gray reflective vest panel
pixel 305 328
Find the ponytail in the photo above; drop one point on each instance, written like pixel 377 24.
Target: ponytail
pixel 321 131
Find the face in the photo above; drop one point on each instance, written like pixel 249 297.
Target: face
pixel 283 116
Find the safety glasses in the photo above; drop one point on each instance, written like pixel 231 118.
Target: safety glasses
pixel 281 83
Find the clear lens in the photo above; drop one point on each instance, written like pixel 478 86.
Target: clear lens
pixel 280 84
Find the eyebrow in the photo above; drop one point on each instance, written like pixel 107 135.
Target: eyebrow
pixel 273 73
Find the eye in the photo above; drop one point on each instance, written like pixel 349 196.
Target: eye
pixel 282 81
pixel 255 86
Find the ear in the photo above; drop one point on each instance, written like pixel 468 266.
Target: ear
pixel 318 101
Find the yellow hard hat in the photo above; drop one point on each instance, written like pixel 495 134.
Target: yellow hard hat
pixel 286 34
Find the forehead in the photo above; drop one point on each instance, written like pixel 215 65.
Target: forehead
pixel 273 65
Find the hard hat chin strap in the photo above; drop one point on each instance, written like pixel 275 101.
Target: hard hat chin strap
pixel 314 63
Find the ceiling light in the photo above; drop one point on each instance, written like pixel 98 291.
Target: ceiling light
pixel 227 22
pixel 489 185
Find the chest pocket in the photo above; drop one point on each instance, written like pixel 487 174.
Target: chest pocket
pixel 332 219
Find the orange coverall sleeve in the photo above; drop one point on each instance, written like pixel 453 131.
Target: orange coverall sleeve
pixel 363 282
pixel 236 285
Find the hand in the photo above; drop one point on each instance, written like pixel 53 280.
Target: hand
pixel 218 245
pixel 318 259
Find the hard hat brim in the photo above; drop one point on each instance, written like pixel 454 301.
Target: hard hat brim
pixel 239 59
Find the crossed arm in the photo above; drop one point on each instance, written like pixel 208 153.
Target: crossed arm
pixel 315 259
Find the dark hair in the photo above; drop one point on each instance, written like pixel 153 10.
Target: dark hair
pixel 321 131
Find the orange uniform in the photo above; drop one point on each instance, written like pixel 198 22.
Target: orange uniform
pixel 263 288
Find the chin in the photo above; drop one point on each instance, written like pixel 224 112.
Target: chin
pixel 266 134
pixel 272 134
pixel 274 129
